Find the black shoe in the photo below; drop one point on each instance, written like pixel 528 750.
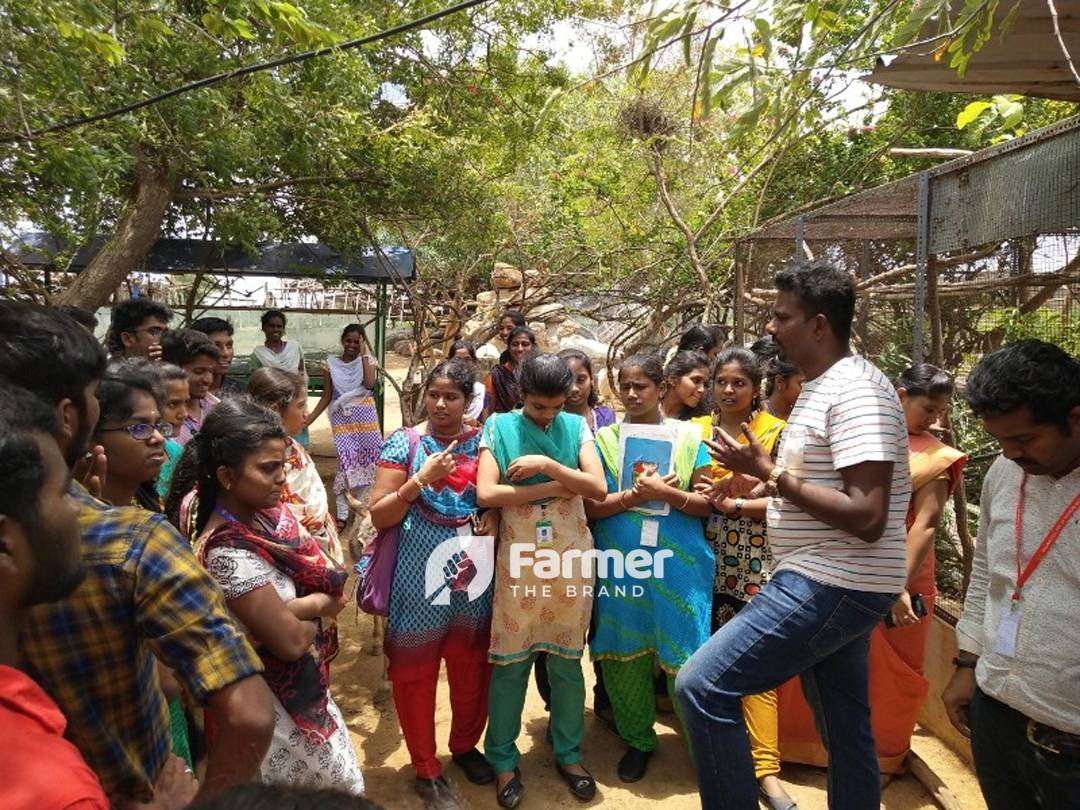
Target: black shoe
pixel 583 787
pixel 437 794
pixel 477 769
pixel 511 794
pixel 633 764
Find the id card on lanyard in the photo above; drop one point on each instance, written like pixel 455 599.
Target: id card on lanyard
pixel 1009 625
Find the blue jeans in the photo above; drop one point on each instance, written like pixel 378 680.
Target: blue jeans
pixel 794 626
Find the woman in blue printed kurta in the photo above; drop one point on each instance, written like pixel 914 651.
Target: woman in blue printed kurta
pixel 426 479
pixel 664 617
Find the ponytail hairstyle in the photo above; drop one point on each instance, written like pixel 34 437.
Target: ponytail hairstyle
pixel 275 388
pixel 650 364
pixel 699 338
pixel 544 375
pixel 925 380
pixel 576 354
pixel 748 362
pixel 233 430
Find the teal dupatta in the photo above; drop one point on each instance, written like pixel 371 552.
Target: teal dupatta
pixel 511 435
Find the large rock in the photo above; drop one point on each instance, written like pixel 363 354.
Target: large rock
pixel 487 298
pixel 506 277
pixel 548 313
pixel 596 350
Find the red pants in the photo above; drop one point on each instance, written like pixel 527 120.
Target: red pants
pixel 415 702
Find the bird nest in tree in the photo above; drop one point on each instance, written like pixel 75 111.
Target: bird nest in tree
pixel 646 118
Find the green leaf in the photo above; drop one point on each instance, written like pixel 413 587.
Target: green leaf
pixel 243 28
pixel 922 11
pixel 971 112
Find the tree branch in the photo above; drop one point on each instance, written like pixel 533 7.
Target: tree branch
pixel 260 188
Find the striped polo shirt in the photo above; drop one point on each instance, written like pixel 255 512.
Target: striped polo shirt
pixel 848 415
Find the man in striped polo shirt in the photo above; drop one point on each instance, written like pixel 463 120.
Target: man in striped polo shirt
pixel 838 493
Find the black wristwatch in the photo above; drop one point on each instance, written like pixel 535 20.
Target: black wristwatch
pixel 965 663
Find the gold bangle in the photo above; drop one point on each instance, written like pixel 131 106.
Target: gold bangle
pixel 622 500
pixel 686 503
pixel 416 480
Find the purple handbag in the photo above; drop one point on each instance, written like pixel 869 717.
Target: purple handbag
pixel 375 568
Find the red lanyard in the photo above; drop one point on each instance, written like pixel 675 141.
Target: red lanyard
pixel 1023 574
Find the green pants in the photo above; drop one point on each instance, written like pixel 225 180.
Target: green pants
pixel 633 699
pixel 506 701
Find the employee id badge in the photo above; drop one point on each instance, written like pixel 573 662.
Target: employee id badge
pixel 650 532
pixel 545 534
pixel 1008 630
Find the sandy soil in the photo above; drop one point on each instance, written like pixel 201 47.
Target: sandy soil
pixel 368 707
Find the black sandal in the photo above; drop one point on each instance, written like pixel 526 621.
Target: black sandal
pixel 512 793
pixel 582 787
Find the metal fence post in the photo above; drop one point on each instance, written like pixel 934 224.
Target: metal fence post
pixel 380 348
pixel 922 239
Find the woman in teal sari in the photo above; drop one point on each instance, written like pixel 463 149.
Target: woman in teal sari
pixel 536 464
pixel 663 617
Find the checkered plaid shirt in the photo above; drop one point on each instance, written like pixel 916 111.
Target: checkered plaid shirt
pixel 145 596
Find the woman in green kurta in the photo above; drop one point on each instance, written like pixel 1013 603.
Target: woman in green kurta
pixel 537 464
pixel 662 618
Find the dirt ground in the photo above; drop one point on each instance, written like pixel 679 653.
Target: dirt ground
pixel 368 707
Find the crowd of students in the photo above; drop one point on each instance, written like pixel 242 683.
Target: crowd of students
pixel 173 571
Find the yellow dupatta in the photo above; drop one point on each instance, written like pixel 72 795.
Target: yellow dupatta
pixel 766 427
pixel 930 458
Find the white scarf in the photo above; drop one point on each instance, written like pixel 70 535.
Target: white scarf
pixel 288 359
pixel 348 379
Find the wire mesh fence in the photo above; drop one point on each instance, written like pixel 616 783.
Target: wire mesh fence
pixel 949 265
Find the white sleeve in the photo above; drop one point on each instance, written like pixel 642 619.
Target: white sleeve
pixel 238 571
pixel 586 433
pixel 969 630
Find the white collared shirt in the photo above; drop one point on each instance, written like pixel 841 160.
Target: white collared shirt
pixel 1042 679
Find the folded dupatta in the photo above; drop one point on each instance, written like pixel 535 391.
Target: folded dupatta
pixel 511 435
pixel 302 686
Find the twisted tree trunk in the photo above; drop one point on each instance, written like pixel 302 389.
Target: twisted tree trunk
pixel 136 233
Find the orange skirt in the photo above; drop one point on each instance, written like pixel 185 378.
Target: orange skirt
pixel 897 693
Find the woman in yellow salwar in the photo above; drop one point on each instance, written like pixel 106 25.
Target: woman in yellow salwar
pixel 737 532
pixel 898 687
pixel 536 465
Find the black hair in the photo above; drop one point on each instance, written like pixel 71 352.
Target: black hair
pixel 544 375
pixel 84 317
pixel 121 380
pixel 234 429
pixel 354 327
pixel 458 345
pixel 514 315
pixel 747 361
pixel 459 372
pixel 925 380
pixel 699 338
pixel 273 313
pixel 519 331
pixel 821 289
pixel 257 796
pixel 650 363
pixel 127 316
pixel 768 351
pixel 212 325
pixel 22 468
pixel 275 387
pixel 182 346
pixel 682 363
pixel 48 353
pixel 1034 374
pixel 576 354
